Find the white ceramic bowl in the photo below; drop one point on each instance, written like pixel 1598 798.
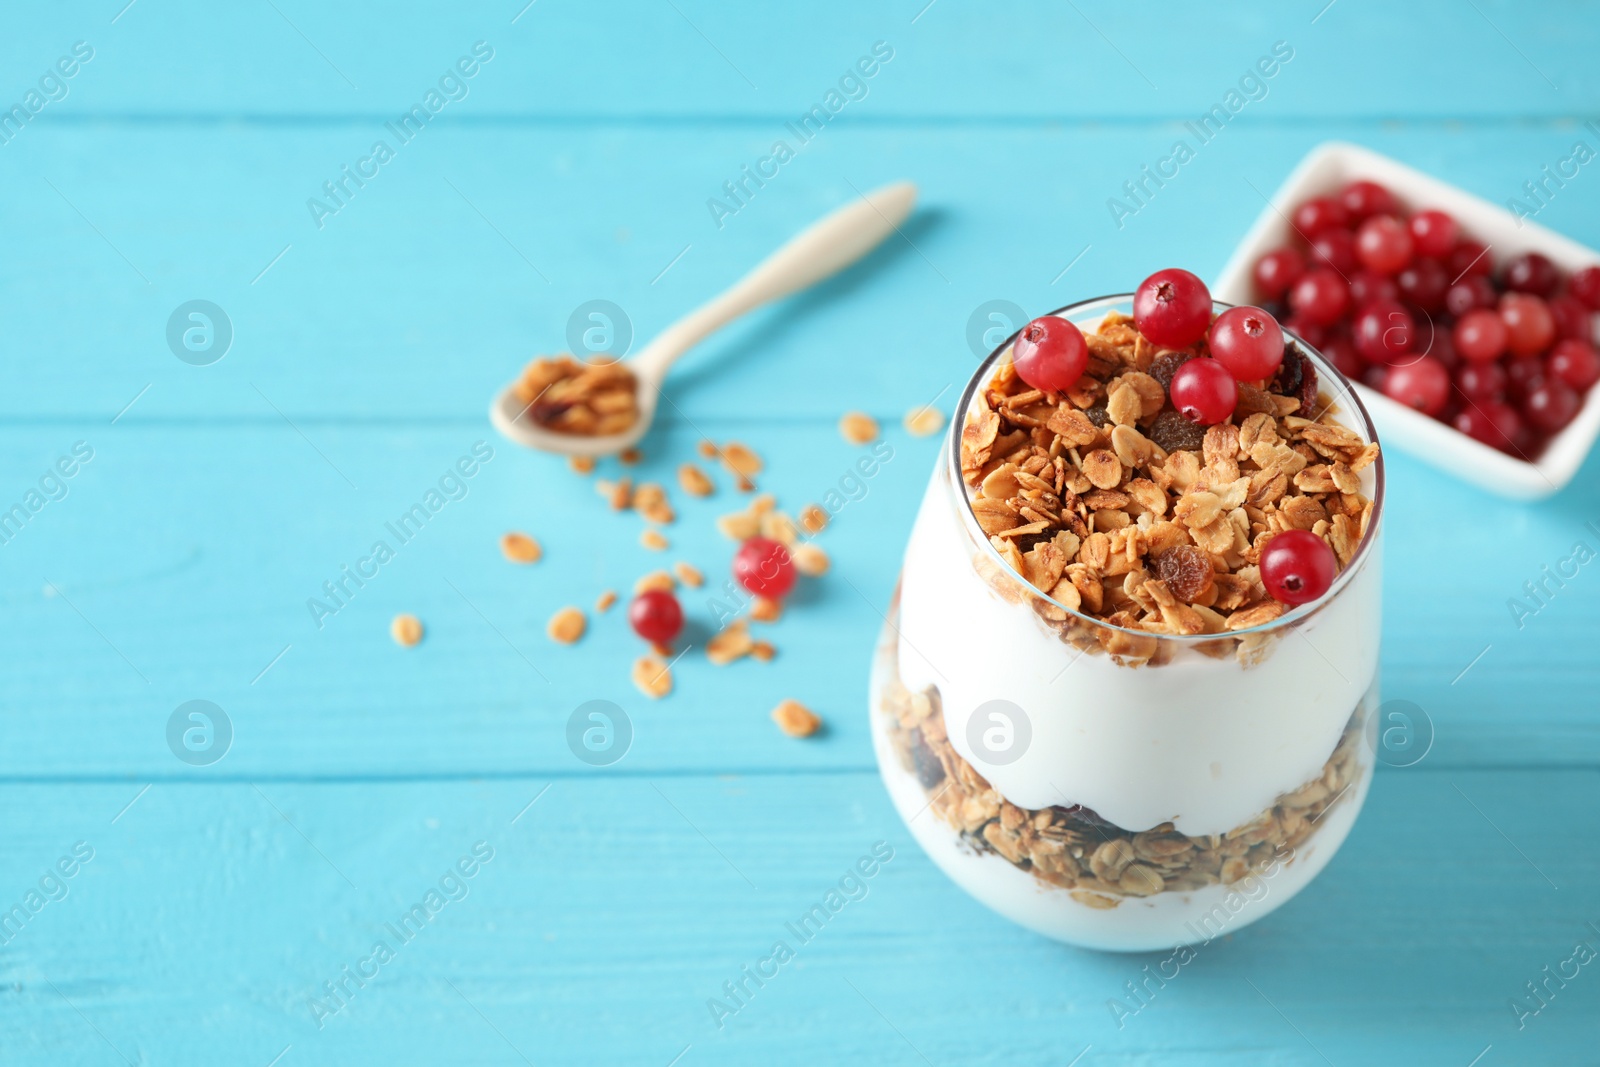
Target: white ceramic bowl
pixel 1324 170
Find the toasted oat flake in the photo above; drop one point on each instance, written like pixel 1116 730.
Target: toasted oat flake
pixel 653 540
pixel 795 719
pixel 570 396
pixel 763 651
pixel 567 625
pixel 809 560
pixel 520 548
pixel 694 481
pixel 653 676
pixel 740 460
pixel 605 600
pixel 765 609
pixel 630 456
pixel 688 574
pixel 858 428
pixel 730 643
pixel 618 494
pixel 706 449
pixel 406 630
pixel 654 580
pixel 924 421
pixel 650 500
pixel 581 464
pixel 813 519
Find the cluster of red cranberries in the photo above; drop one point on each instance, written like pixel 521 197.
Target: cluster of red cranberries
pixel 761 565
pixel 1172 309
pixel 1415 308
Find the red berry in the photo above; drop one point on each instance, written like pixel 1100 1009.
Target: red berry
pixel 1492 422
pixel 1312 333
pixel 1481 381
pixel 1050 353
pixel 1172 308
pixel 1319 297
pixel 1574 362
pixel 1472 291
pixel 1434 233
pixel 1204 391
pixel 1335 249
pixel 1434 340
pixel 1423 283
pixel 1571 317
pixel 1341 352
pixel 1318 215
pixel 1277 270
pixel 656 616
pixel 1424 385
pixel 1529 326
pixel 1367 286
pixel 763 566
pixel 1384 244
pixel 1586 287
pixel 1297 567
pixel 1384 332
pixel 1375 376
pixel 1532 273
pixel 1523 376
pixel 1480 336
pixel 1550 405
pixel 1248 342
pixel 1362 199
pixel 1469 258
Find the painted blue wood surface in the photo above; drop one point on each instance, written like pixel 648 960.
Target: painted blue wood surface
pixel 219 899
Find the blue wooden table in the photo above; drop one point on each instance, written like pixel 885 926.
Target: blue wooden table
pixel 183 912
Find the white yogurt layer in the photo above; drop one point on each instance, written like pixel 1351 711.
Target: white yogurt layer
pixel 1205 744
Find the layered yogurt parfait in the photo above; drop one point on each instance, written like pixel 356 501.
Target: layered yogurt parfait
pixel 1123 693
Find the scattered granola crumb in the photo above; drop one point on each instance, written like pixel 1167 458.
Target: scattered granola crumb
pixel 695 481
pixel 630 456
pixel 653 540
pixel 739 526
pixel 662 648
pixel 795 719
pixel 652 676
pixel 810 560
pixel 605 600
pixel 924 421
pixel 650 500
pixel 763 651
pixel 520 548
pixel 740 460
pixel 707 449
pixel 406 630
pixel 744 485
pixel 618 494
pixel 581 464
pixel 813 519
pixel 858 428
pixel 732 642
pixel 765 609
pixel 654 580
pixel 688 574
pixel 567 626
pixel 779 527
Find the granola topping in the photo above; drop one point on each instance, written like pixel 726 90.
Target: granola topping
pixel 563 394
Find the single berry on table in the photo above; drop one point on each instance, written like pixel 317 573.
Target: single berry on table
pixel 1247 341
pixel 1480 335
pixel 1297 567
pixel 1550 405
pixel 656 616
pixel 1384 244
pixel 1362 199
pixel 762 566
pixel 1423 385
pixel 1319 297
pixel 1277 270
pixel 1434 233
pixel 1317 215
pixel 1529 326
pixel 1172 308
pixel 1574 362
pixel 1532 273
pixel 1204 392
pixel 1050 353
pixel 1384 331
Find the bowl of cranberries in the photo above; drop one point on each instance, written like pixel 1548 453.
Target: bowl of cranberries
pixel 1470 333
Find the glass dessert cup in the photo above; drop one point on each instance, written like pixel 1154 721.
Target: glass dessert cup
pixel 1109 787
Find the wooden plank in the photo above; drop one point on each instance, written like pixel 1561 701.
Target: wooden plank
pixel 1036 60
pixel 184 557
pixel 612 910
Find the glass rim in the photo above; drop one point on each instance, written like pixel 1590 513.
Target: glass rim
pixel 1325 370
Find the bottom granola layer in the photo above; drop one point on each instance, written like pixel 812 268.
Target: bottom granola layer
pixel 1071 847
